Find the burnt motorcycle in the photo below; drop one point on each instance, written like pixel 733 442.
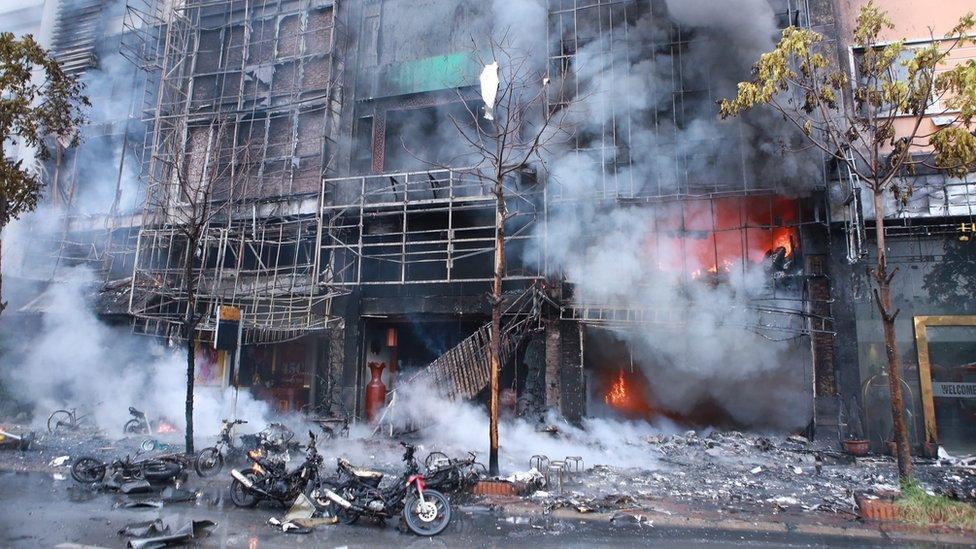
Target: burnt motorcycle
pixel 210 460
pixel 355 492
pixel 140 424
pixel 270 479
pixel 453 475
pixel 89 469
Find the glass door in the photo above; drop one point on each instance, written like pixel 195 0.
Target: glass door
pixel 947 374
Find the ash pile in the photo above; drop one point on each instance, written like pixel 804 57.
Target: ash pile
pixel 743 473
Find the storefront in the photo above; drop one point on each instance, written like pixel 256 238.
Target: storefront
pixel 936 332
pixel 280 374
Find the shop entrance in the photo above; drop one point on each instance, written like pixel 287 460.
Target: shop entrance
pixel 396 349
pixel 947 375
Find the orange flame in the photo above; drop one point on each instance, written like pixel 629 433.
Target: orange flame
pixel 164 427
pixel 783 238
pixel 617 394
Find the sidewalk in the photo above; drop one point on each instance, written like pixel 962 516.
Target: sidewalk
pixel 679 516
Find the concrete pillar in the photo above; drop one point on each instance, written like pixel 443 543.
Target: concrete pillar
pixel 826 412
pixel 572 382
pixel 553 361
pixel 328 380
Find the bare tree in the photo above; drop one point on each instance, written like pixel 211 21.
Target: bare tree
pixel 512 134
pixel 199 163
pixel 880 136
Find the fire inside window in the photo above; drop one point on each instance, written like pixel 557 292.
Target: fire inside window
pixel 719 236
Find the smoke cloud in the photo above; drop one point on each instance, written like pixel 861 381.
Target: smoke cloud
pixel 456 427
pixel 711 350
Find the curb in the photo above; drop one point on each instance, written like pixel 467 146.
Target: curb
pixel 866 533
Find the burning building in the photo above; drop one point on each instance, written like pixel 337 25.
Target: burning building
pixel 662 264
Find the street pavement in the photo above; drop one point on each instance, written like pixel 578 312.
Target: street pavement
pixel 38 510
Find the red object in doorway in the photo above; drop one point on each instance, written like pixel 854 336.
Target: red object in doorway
pixel 375 391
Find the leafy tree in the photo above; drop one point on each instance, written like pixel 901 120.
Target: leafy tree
pixel 879 134
pixel 37 101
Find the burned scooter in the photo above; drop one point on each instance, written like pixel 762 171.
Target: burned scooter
pixel 275 441
pixel 210 460
pixel 270 478
pixel 355 493
pixel 89 469
pixel 453 476
pixel 140 424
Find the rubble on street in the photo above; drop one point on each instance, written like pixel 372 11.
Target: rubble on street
pixel 739 473
pixel 729 472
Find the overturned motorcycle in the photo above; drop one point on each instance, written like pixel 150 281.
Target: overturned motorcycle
pixel 353 493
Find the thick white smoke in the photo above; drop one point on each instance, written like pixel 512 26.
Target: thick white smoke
pixel 74 359
pixel 65 355
pixel 708 351
pixel 456 427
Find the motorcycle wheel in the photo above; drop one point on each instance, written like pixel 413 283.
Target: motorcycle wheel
pixel 160 471
pixel 240 495
pixel 134 427
pixel 430 517
pixel 209 462
pixel 60 420
pixel 87 470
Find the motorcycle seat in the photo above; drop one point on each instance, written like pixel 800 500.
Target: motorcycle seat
pixel 360 472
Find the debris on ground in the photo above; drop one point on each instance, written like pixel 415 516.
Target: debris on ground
pixel 300 518
pixel 136 487
pixel 172 494
pixel 144 529
pixel 741 472
pixel 10 441
pixel 195 529
pixel 532 477
pixel 141 503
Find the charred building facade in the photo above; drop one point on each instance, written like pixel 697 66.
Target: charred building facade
pixel 662 264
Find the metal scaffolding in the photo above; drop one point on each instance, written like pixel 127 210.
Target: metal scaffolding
pixel 617 38
pixel 244 96
pixel 426 227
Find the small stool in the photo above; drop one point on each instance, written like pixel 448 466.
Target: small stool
pixel 574 464
pixel 558 468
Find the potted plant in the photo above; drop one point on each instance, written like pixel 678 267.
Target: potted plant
pixel 854 442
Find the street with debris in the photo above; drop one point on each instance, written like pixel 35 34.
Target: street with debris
pixel 714 489
pixel 468 273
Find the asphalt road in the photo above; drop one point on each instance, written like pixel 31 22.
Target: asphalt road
pixel 37 510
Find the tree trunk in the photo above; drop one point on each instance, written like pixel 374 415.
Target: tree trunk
pixel 189 333
pixel 496 324
pixel 3 304
pixel 883 299
pixel 190 374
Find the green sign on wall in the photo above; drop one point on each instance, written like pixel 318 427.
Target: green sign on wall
pixel 428 74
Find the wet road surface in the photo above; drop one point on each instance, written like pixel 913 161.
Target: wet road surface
pixel 37 510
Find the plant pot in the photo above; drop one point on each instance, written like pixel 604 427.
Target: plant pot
pixel 873 507
pixel 857 447
pixel 892 448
